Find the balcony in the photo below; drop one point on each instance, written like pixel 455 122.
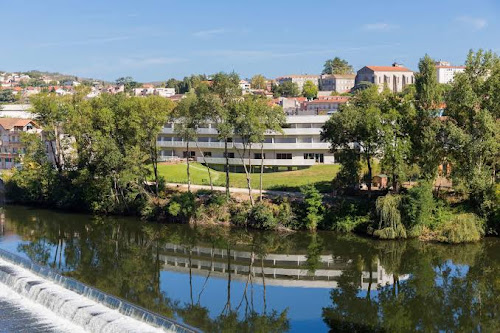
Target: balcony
pixel 267 146
pixel 257 162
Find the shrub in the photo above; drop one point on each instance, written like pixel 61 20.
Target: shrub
pixel 182 207
pixel 313 207
pixel 461 228
pixel 286 216
pixel 262 216
pixel 418 206
pixel 239 213
pixel 346 216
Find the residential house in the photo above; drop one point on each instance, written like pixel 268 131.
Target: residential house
pixel 395 77
pixel 10 145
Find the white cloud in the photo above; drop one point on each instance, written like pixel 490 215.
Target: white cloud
pixel 208 33
pixel 379 26
pixel 475 23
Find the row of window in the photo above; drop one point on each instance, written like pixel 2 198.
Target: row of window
pixel 258 156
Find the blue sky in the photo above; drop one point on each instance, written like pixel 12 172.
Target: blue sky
pixel 155 40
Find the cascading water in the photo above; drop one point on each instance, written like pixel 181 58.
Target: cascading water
pixel 84 306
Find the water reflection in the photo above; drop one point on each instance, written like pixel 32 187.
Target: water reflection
pixel 234 280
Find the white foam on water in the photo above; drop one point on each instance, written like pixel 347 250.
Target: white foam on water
pixel 42 315
pixel 67 306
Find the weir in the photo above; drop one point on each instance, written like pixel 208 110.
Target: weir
pixel 87 307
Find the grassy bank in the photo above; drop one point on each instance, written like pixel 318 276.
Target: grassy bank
pixel 318 175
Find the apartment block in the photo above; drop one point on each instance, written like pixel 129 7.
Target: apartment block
pixel 446 72
pixel 10 146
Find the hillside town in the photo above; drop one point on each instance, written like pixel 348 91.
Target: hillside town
pixel 303 127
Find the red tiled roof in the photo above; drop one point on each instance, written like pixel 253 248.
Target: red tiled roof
pixel 9 123
pixel 388 69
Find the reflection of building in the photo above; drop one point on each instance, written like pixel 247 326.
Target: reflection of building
pixel 285 270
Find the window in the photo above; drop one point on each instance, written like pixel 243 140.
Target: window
pixel 309 156
pixel 207 153
pixel 258 156
pixel 191 154
pixel 283 156
pixel 230 155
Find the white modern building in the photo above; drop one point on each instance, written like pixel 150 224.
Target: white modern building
pixel 446 72
pixel 298 146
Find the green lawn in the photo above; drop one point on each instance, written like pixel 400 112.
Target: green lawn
pixel 320 175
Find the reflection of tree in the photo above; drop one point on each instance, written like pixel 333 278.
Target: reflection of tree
pixel 437 296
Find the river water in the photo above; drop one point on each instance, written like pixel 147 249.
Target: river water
pixel 218 279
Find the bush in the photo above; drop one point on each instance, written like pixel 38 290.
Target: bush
pixel 239 213
pixel 461 228
pixel 262 216
pixel 182 207
pixel 418 206
pixel 286 216
pixel 345 216
pixel 313 207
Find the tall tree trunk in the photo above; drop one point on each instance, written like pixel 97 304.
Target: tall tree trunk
pixel 226 169
pixel 206 165
pixel 242 158
pixel 187 166
pixel 261 168
pixel 368 163
pixel 154 160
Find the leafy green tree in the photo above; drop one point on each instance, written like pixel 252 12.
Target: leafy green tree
pixel 186 125
pixel 6 96
pixel 226 87
pixel 258 81
pixel 427 131
pixel 358 126
pixel 474 130
pixel 154 112
pixel 310 90
pixel 286 89
pixel 128 82
pixel 337 66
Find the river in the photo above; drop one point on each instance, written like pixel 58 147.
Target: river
pixel 233 280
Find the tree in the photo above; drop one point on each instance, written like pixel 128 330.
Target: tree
pixel 258 81
pixel 427 129
pixel 154 112
pixel 474 130
pixel 226 87
pixel 128 82
pixel 7 96
pixel 286 89
pixel 310 90
pixel 358 126
pixel 337 66
pixel 185 127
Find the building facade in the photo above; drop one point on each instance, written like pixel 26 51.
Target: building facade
pixel 299 80
pixel 395 77
pixel 10 146
pixel 446 72
pixel 298 146
pixel 340 83
pixel 324 105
